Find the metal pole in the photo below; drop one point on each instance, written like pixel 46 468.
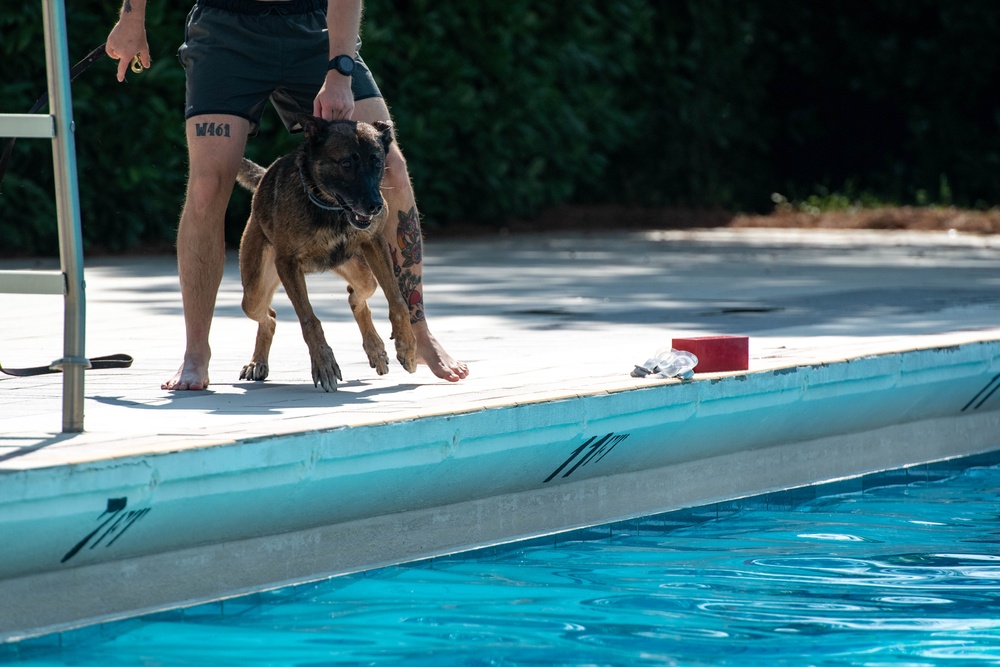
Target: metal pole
pixel 68 210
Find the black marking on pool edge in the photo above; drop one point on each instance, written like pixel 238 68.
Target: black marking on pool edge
pixel 114 526
pixel 116 504
pixel 984 394
pixel 132 518
pixel 598 450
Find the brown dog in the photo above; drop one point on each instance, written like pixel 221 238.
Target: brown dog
pixel 320 208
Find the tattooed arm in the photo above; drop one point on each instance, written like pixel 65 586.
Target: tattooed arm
pixel 128 38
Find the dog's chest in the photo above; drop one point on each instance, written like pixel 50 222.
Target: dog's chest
pixel 327 250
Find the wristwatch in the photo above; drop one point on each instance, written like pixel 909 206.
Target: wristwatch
pixel 343 64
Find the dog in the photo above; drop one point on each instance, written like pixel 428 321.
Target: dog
pixel 320 208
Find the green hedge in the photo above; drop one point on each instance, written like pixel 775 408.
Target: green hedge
pixel 895 98
pixel 505 108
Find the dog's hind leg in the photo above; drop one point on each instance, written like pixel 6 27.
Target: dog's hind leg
pixel 325 370
pixel 260 280
pixel 360 287
pixel 377 254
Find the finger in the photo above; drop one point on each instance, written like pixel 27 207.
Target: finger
pixel 146 60
pixel 123 64
pixel 339 110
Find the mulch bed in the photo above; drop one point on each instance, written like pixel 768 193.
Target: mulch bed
pixel 607 218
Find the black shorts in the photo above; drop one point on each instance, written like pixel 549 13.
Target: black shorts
pixel 237 54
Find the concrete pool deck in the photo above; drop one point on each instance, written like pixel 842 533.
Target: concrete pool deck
pixel 868 350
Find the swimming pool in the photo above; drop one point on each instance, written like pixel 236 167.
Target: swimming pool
pixel 898 568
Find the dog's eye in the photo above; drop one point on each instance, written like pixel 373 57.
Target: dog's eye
pixel 346 163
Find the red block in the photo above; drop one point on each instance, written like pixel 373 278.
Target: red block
pixel 717 353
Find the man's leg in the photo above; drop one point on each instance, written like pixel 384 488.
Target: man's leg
pixel 406 244
pixel 215 147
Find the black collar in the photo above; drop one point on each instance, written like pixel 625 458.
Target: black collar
pixel 313 198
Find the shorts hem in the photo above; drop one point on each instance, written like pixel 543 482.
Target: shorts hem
pixel 226 112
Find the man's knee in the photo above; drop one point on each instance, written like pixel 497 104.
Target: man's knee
pixel 209 190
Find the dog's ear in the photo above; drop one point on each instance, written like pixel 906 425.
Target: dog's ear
pixel 385 130
pixel 315 128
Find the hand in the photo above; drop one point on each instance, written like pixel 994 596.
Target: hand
pixel 334 101
pixel 126 41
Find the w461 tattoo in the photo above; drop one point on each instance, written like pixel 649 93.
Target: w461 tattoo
pixel 211 129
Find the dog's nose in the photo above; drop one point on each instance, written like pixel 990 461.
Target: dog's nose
pixel 375 209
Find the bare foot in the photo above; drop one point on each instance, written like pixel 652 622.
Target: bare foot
pixel 431 354
pixel 191 376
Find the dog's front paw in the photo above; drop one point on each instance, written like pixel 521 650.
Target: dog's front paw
pixel 377 357
pixel 380 363
pixel 255 370
pixel 325 370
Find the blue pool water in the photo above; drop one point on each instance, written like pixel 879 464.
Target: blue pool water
pixel 900 574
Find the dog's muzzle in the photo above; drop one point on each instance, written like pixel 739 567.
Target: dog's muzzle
pixel 358 219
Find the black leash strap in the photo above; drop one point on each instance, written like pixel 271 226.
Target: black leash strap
pixel 96 363
pixel 77 69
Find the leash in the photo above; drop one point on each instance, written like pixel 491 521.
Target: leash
pixel 96 363
pixel 74 72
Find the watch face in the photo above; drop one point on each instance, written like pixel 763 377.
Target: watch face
pixel 344 64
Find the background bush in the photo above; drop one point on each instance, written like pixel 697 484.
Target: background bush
pixel 507 107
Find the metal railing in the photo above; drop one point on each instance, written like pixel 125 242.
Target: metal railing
pixel 59 127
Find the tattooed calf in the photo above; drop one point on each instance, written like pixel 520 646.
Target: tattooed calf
pixel 411 249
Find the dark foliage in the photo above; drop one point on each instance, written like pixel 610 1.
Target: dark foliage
pixel 505 108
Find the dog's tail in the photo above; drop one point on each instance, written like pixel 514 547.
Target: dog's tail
pixel 250 174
